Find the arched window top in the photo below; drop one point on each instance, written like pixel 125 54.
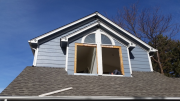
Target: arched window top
pixel 90 38
pixel 105 39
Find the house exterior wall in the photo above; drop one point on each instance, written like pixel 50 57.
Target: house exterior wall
pixel 71 53
pixel 139 59
pixel 125 58
pixel 50 54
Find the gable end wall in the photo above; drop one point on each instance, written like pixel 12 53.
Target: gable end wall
pixel 50 54
pixel 139 59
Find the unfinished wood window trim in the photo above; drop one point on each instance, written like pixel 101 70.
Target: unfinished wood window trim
pixel 75 57
pixel 120 56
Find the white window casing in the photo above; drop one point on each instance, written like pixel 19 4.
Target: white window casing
pixel 67 48
pixel 35 56
pixel 99 51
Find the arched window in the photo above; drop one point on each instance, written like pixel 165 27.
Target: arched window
pixel 105 39
pixel 90 39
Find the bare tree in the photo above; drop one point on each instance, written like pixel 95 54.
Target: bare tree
pixel 147 25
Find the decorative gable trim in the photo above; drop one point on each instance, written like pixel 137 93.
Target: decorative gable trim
pixel 95 15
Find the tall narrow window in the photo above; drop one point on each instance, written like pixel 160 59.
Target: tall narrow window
pixel 90 39
pixel 105 39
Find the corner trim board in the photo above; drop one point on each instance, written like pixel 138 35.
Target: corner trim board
pixel 150 63
pixel 35 56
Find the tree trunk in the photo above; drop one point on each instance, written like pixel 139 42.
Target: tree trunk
pixel 159 62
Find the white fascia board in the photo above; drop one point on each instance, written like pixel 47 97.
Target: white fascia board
pixel 66 26
pixel 130 43
pixel 105 26
pixel 82 30
pixel 65 38
pixel 153 50
pixel 123 30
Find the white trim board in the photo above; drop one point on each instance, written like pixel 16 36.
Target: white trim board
pixel 112 23
pixel 131 44
pixel 61 28
pixel 87 17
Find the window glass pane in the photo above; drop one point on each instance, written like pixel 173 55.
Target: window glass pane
pixel 105 39
pixel 90 38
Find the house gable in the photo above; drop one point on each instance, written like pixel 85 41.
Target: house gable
pixel 56 48
pixel 87 19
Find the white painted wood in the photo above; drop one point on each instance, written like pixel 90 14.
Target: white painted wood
pixel 112 41
pixel 99 52
pixel 150 63
pixel 129 60
pixel 124 31
pixel 87 74
pixel 111 75
pixel 116 34
pixel 83 38
pixel 35 56
pixel 57 91
pixel 61 28
pixel 67 48
pixel 77 32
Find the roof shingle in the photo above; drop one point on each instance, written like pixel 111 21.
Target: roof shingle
pixel 33 81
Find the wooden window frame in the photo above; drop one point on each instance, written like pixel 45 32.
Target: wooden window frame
pixel 75 57
pixel 120 56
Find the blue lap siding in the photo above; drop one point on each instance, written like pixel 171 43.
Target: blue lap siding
pixel 50 54
pixel 125 58
pixel 139 59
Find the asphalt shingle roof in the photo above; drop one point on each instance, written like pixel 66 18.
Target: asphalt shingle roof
pixel 34 81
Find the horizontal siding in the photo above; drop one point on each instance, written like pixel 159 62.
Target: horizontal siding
pixel 50 53
pixel 71 54
pixel 140 61
pixel 125 58
pixel 51 65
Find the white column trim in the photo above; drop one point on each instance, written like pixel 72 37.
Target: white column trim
pixel 67 48
pixel 150 63
pixel 129 60
pixel 35 56
pixel 99 52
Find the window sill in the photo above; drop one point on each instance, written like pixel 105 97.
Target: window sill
pixel 85 74
pixel 111 75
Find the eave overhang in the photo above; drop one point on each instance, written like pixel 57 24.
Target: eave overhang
pixel 64 40
pixel 97 16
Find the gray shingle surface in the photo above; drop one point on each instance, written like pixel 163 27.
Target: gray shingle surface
pixel 33 81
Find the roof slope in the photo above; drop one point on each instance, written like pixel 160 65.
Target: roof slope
pixel 33 81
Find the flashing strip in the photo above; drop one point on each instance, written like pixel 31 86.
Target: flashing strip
pixel 57 91
pixel 80 97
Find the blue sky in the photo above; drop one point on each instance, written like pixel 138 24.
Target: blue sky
pixel 21 20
